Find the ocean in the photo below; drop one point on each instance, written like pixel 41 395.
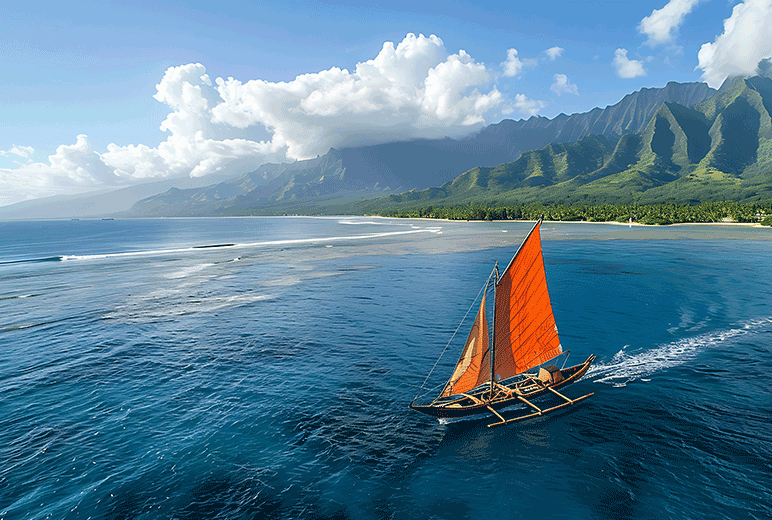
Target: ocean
pixel 262 368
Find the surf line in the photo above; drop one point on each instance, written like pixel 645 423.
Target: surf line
pixel 296 241
pixel 434 230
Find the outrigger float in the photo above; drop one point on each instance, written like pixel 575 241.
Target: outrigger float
pixel 525 338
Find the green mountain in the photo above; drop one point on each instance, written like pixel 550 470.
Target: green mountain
pixel 330 183
pixel 630 115
pixel 719 150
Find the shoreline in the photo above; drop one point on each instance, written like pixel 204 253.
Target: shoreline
pixel 428 219
pixel 608 222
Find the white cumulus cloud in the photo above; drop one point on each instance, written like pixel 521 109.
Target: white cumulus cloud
pixel 512 66
pixel 554 52
pixel 662 25
pixel 525 105
pixel 21 151
pixel 746 40
pixel 190 148
pixel 627 68
pixel 563 86
pixel 414 89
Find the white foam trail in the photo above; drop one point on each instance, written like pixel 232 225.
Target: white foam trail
pixel 67 258
pixel 370 222
pixel 288 242
pixel 625 368
pixel 322 240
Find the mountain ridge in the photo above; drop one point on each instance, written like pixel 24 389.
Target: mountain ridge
pixel 719 150
pixel 377 170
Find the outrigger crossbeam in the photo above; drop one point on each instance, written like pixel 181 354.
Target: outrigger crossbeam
pixel 539 410
pixel 541 384
pixel 494 412
pixel 529 403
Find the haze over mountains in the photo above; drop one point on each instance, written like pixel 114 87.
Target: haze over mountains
pixel 331 182
pixel 101 203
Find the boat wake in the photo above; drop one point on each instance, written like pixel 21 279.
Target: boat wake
pixel 625 368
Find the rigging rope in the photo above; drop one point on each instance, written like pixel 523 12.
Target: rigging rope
pixel 483 288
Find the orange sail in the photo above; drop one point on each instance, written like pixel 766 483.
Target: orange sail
pixel 525 331
pixel 473 367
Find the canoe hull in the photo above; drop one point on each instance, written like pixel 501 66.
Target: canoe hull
pixel 465 407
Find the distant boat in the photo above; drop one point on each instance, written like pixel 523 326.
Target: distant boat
pixel 525 337
pixel 108 219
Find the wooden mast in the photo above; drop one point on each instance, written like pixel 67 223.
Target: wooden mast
pixel 470 371
pixel 493 343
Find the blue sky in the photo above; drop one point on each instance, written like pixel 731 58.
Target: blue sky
pixel 106 94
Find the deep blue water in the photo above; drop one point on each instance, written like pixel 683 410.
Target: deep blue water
pixel 145 376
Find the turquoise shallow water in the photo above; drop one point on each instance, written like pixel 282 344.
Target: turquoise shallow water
pixel 146 374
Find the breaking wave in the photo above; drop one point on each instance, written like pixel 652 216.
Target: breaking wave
pixel 34 260
pixel 18 297
pixel 357 222
pixel 268 243
pixel 321 240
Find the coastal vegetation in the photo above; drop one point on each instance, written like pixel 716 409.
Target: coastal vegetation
pixel 662 214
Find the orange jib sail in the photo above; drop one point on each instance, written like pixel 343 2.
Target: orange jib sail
pixel 525 330
pixel 473 368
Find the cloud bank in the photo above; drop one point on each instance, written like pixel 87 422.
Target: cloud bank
pixel 412 90
pixel 415 89
pixel 70 167
pixel 746 40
